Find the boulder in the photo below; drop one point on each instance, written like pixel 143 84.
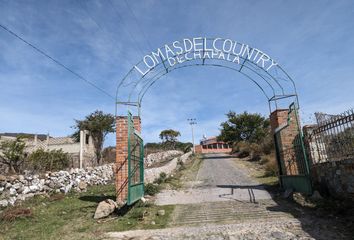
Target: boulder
pixel 105 208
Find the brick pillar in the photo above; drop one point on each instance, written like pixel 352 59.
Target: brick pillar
pixel 137 123
pixel 122 156
pixel 121 159
pixel 287 152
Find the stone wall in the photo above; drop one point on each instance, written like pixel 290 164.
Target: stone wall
pixel 20 187
pixel 335 178
pixel 159 157
pixel 151 174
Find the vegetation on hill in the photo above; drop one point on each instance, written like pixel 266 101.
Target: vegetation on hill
pixel 170 141
pixel 250 136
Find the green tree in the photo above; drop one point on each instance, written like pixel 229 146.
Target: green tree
pixel 169 137
pixel 250 127
pixel 13 154
pixel 99 124
pixel 45 160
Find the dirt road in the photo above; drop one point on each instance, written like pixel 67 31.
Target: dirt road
pixel 223 202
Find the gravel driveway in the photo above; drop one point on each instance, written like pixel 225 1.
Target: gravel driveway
pixel 218 179
pixel 224 202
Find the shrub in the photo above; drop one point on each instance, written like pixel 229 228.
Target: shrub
pixel 268 146
pixel 161 179
pixel 42 160
pixel 245 149
pixel 151 189
pixel 271 166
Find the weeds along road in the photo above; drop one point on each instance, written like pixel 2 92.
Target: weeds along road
pixel 220 200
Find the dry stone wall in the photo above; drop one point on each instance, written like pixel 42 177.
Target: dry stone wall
pixel 20 187
pixel 156 158
pixel 335 178
pixel 150 174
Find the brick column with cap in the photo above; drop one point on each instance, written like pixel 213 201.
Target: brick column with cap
pixel 286 138
pixel 122 156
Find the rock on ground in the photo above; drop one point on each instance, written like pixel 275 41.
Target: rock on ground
pixel 105 208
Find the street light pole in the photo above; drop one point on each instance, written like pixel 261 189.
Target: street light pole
pixel 192 121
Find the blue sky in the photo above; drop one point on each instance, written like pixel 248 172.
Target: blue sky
pixel 312 40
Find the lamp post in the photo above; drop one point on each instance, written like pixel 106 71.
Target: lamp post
pixel 192 121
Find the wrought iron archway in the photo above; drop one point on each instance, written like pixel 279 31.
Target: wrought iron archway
pixel 274 82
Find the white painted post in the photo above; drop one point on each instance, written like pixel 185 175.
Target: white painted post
pixel 82 141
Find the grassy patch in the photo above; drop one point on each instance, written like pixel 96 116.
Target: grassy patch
pixel 260 172
pixel 71 217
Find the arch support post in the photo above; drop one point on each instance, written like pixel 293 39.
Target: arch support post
pixel 290 150
pixel 121 168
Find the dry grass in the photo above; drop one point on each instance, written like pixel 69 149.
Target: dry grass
pixel 11 214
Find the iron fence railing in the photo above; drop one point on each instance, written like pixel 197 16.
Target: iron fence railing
pixel 332 139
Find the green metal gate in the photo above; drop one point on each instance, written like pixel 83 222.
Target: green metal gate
pixel 294 172
pixel 135 163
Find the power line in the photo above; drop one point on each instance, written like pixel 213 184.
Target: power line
pixel 137 23
pixel 56 61
pixel 83 6
pixel 130 35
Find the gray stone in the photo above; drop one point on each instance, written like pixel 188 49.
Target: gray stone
pixel 4 203
pixel 8 185
pixel 17 185
pixel 105 208
pixel 278 235
pixel 316 196
pixel 12 200
pixel 288 193
pixel 34 188
pixel 26 190
pixel 82 185
pixel 12 192
pixel 161 212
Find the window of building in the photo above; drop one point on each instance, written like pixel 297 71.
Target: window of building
pixel 87 139
pixel 225 145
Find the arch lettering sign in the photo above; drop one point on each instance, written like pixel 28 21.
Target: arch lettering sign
pixel 252 63
pixel 203 48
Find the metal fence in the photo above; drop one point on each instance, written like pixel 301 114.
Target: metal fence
pixel 332 139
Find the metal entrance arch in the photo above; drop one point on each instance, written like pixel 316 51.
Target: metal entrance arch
pixel 275 84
